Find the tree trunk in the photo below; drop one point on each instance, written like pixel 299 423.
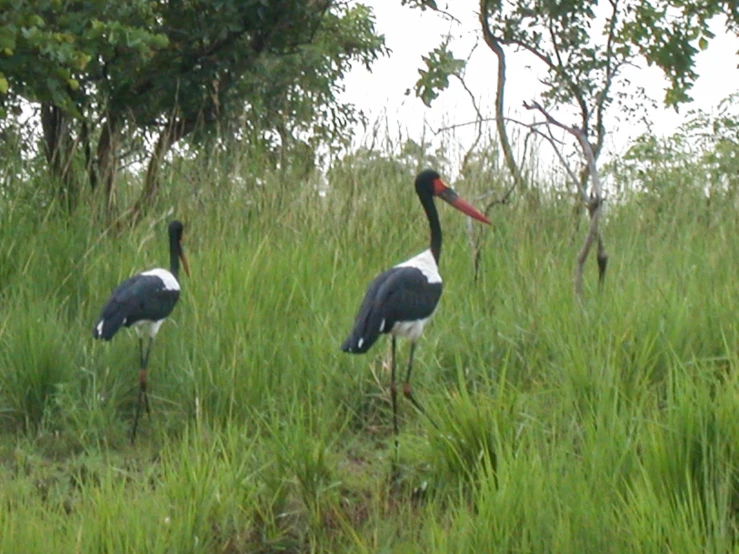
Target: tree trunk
pixel 87 152
pixel 505 143
pixel 59 151
pixel 595 208
pixel 510 159
pixel 172 133
pixel 105 167
pixel 594 201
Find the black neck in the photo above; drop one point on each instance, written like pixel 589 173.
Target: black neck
pixel 433 216
pixel 174 257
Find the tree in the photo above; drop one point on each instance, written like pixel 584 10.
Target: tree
pixel 299 99
pixel 583 45
pixel 669 33
pixel 580 72
pixel 701 157
pixel 139 76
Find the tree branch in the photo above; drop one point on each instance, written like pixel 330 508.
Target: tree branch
pixel 610 72
pixel 495 45
pixel 479 120
pixel 595 201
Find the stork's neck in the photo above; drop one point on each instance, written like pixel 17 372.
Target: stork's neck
pixel 433 216
pixel 174 258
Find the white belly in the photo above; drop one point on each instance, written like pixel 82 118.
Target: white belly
pixel 410 330
pixel 146 327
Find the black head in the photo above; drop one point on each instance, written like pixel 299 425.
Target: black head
pixel 428 183
pixel 176 230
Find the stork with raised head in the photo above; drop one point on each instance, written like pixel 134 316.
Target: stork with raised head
pixel 401 300
pixel 144 301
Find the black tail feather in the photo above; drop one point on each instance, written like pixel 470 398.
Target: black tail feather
pixel 370 322
pixel 358 344
pixel 367 330
pixel 107 327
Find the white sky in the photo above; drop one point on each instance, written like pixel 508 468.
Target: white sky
pixel 412 33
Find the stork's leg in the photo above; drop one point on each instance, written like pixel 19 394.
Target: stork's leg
pixel 408 392
pixel 394 398
pixel 143 398
pixel 141 351
pixel 145 368
pixel 394 393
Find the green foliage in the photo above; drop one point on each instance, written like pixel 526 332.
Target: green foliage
pixel 440 65
pixel 36 359
pixel 581 49
pixel 56 53
pixel 669 33
pixel 705 149
pixel 296 94
pixel 607 425
pixel 122 83
pixel 582 53
pixel 423 4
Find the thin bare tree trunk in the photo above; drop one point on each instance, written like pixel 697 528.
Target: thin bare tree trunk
pixel 105 167
pixel 594 202
pixel 59 151
pixel 595 208
pixel 505 143
pixel 172 133
pixel 500 123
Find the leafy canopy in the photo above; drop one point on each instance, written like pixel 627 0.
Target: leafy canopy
pixel 120 77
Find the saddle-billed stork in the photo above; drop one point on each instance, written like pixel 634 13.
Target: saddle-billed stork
pixel 401 300
pixel 144 301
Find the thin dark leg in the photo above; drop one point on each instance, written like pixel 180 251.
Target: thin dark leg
pixel 143 398
pixel 146 367
pixel 408 392
pixel 141 352
pixel 394 398
pixel 394 393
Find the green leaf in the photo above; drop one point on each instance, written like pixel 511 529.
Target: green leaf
pixel 440 65
pixel 7 41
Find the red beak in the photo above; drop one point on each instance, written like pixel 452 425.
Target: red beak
pixel 185 265
pixel 448 195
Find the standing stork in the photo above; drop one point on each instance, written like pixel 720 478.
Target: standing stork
pixel 401 300
pixel 144 301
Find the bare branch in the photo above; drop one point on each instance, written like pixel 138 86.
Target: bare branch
pixel 534 105
pixel 465 124
pixel 595 200
pixel 448 16
pixel 571 86
pixel 479 121
pixel 431 5
pixel 495 44
pixel 531 50
pixel 570 172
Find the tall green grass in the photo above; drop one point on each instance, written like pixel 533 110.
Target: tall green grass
pixel 607 425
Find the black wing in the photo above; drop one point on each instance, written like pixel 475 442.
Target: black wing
pixel 142 297
pixel 398 294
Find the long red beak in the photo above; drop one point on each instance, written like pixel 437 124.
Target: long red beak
pixel 448 195
pixel 185 265
pixel 463 206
